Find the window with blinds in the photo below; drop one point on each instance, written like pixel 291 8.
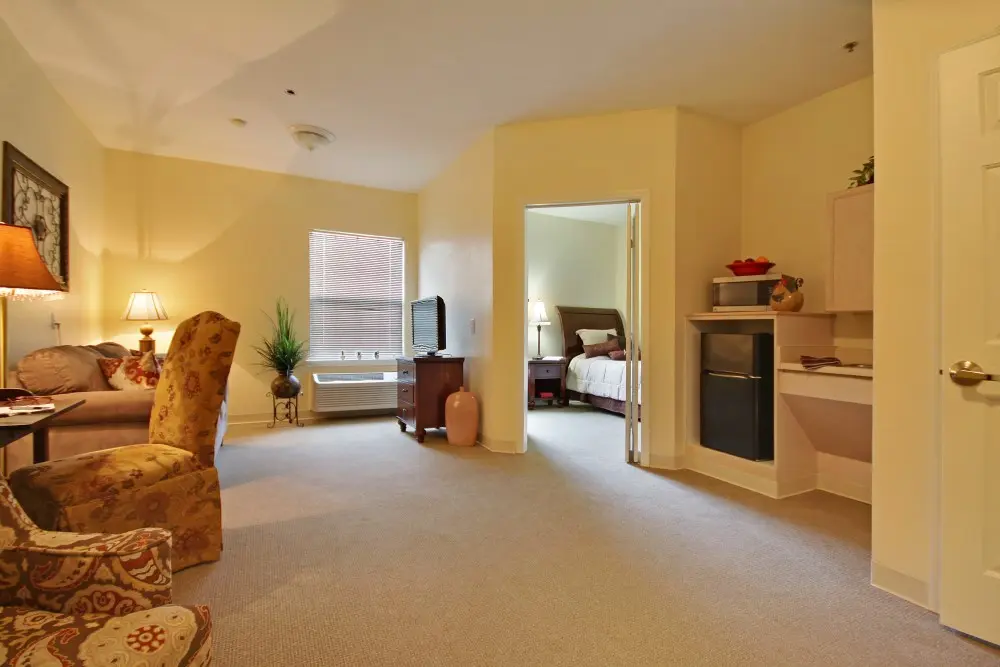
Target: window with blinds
pixel 355 296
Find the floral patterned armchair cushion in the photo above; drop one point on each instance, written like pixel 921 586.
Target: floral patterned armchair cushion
pixel 169 636
pixel 75 573
pixel 170 483
pixel 192 386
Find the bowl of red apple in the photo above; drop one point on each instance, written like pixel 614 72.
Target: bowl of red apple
pixel 751 266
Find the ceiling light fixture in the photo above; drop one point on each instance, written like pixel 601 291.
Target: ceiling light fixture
pixel 311 137
pixel 850 46
pixel 289 91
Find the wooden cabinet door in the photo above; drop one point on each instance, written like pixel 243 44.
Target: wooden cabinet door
pixel 852 250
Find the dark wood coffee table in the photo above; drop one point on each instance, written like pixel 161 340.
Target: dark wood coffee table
pixel 37 425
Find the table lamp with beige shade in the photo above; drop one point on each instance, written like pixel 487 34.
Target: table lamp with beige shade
pixel 539 319
pixel 23 277
pixel 145 307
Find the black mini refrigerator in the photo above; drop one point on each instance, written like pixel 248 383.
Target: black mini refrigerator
pixel 737 394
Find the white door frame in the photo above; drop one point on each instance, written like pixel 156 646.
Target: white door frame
pixel 642 197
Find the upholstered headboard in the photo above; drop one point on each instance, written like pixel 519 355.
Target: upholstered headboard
pixel 574 318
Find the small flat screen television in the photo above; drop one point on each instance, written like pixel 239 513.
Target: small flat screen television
pixel 427 325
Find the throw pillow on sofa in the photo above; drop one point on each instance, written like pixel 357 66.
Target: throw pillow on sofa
pixel 132 372
pixel 61 370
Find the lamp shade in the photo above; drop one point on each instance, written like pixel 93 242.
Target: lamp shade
pixel 144 307
pixel 23 274
pixel 538 315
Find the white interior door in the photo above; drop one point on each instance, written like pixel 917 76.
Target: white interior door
pixel 970 289
pixel 633 440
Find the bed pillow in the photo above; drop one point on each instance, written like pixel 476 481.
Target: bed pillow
pixel 601 349
pixel 594 336
pixel 621 344
pixel 617 355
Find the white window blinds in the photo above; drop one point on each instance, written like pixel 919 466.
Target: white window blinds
pixel 355 296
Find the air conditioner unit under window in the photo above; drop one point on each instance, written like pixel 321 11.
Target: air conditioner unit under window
pixel 347 392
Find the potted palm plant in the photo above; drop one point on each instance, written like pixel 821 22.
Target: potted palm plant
pixel 282 352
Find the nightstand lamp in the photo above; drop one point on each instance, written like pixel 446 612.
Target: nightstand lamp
pixel 23 277
pixel 145 307
pixel 539 319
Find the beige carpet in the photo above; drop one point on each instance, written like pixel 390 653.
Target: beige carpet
pixel 350 544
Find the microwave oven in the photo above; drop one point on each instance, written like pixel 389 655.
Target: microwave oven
pixel 743 293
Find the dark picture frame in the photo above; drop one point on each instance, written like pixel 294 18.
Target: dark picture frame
pixel 29 197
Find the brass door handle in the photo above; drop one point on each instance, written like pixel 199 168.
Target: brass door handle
pixel 968 373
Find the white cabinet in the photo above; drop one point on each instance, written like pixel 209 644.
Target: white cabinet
pixel 851 270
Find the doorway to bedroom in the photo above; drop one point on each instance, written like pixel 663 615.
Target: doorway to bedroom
pixel 584 331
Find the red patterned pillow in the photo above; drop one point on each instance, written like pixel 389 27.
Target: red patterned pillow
pixel 131 373
pixel 617 355
pixel 601 349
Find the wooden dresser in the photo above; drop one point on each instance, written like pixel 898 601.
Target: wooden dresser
pixel 423 384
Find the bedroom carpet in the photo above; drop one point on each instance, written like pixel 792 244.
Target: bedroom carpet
pixel 350 544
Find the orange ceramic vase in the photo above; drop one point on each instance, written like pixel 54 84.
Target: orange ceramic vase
pixel 461 418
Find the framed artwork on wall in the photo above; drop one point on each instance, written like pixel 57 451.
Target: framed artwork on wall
pixel 32 197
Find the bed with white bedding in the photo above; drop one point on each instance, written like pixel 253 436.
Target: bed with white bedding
pixel 599 381
pixel 598 376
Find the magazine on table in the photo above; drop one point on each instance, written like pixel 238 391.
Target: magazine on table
pixel 26 405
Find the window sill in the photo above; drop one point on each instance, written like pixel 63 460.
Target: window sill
pixel 357 363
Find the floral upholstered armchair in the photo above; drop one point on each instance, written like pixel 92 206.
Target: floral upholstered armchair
pixel 169 483
pixel 68 599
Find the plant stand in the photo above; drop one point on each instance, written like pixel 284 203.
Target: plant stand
pixel 285 410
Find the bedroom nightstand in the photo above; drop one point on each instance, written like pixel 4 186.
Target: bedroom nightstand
pixel 547 375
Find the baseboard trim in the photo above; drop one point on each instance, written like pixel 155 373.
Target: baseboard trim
pixel 499 447
pixel 845 477
pixel 665 462
pixel 796 486
pixel 847 488
pixel 901 585
pixel 750 475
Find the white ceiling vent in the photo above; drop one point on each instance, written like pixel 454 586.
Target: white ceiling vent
pixel 311 137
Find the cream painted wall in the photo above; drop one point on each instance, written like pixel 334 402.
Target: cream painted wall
pixel 708 223
pixel 792 161
pixel 570 263
pixel 569 161
pixel 207 236
pixel 456 259
pixel 909 37
pixel 35 119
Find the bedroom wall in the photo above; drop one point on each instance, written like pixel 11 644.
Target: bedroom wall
pixel 456 259
pixel 791 162
pixel 36 120
pixel 571 263
pixel 574 160
pixel 909 37
pixel 207 236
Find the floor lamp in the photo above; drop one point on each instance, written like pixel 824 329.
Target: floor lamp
pixel 23 277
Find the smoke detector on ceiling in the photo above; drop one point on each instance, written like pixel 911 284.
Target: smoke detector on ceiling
pixel 311 137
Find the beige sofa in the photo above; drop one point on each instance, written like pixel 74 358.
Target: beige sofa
pixel 108 418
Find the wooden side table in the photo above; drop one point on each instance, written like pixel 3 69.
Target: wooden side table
pixel 547 375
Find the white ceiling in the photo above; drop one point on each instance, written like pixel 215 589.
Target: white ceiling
pixel 406 85
pixel 605 214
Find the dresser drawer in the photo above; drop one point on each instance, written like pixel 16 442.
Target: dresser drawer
pixel 545 371
pixel 406 393
pixel 406 413
pixel 406 371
